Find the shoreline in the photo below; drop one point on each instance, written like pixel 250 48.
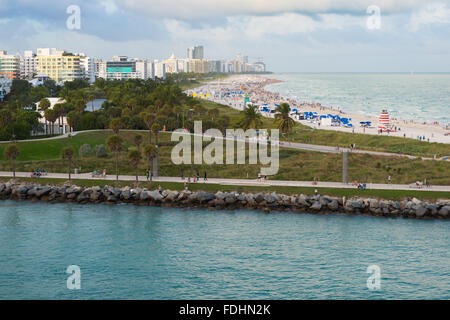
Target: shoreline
pixel 254 86
pixel 265 202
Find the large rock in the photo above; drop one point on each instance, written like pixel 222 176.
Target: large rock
pixel 333 205
pixel 259 198
pixel 155 195
pixel 420 210
pixel 316 206
pixel 444 211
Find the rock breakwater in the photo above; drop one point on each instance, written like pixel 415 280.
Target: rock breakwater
pixel 266 202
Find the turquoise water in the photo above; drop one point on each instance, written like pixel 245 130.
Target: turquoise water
pixel 419 97
pixel 130 252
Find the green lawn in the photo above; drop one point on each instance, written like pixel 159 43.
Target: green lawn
pixel 294 164
pixel 382 194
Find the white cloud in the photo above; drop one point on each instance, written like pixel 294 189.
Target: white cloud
pixel 431 14
pixel 192 9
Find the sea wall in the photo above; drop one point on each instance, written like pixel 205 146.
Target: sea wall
pixel 267 202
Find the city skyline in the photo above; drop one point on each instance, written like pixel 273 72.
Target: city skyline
pixel 291 36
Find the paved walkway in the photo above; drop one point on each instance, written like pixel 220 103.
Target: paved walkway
pixel 238 182
pixel 283 144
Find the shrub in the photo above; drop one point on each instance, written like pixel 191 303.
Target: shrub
pixel 100 151
pixel 85 150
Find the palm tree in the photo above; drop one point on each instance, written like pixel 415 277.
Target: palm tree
pixel 138 141
pixel 51 116
pixel 251 118
pixel 12 153
pixel 149 155
pixel 73 118
pixel 59 111
pixel 115 124
pixel 149 119
pixel 285 122
pixel 44 104
pixel 134 156
pixel 91 98
pixel 155 129
pixel 67 153
pixel 114 144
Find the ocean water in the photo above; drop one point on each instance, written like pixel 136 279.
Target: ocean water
pixel 419 97
pixel 131 252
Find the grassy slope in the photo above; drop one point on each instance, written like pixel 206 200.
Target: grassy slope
pixel 294 164
pixel 383 194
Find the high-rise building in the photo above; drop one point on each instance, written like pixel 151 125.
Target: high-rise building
pixel 58 65
pixel 9 65
pixel 87 67
pixel 198 52
pixel 122 68
pixel 28 65
pixel 195 52
pixel 160 69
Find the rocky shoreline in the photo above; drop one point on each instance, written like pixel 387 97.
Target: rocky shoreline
pixel 266 202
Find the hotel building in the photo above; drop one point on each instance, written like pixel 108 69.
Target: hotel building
pixel 58 65
pixel 9 65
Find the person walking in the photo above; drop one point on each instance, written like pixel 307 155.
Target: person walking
pixel 147 174
pixel 389 179
pixel 204 178
pixel 259 176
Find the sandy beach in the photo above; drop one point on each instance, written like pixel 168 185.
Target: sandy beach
pixel 235 90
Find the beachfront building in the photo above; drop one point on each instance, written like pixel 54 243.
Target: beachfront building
pixel 87 67
pixel 196 52
pixel 160 69
pixel 198 65
pixel 175 65
pixel 9 65
pixel 28 65
pixel 123 68
pixel 58 65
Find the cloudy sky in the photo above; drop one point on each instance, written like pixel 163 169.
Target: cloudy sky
pixel 290 35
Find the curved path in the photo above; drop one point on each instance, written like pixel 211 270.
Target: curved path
pixel 238 182
pixel 283 144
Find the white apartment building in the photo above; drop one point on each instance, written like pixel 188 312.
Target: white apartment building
pixel 28 65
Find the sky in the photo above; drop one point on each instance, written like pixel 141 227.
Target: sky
pixel 289 35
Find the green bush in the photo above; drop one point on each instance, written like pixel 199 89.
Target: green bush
pixel 100 151
pixel 85 150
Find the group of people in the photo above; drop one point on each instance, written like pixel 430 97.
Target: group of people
pixel 264 178
pixel 38 173
pixel 97 173
pixel 195 178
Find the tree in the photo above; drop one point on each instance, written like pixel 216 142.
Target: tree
pixel 251 118
pixel 155 129
pixel 73 119
pixel 149 155
pixel 149 119
pixel 138 141
pixel 51 116
pixel 285 122
pixel 44 104
pixel 213 113
pixel 67 153
pixel 12 153
pixel 134 156
pixel 59 111
pixel 114 144
pixel 115 125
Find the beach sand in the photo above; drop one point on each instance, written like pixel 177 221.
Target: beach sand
pixel 252 86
